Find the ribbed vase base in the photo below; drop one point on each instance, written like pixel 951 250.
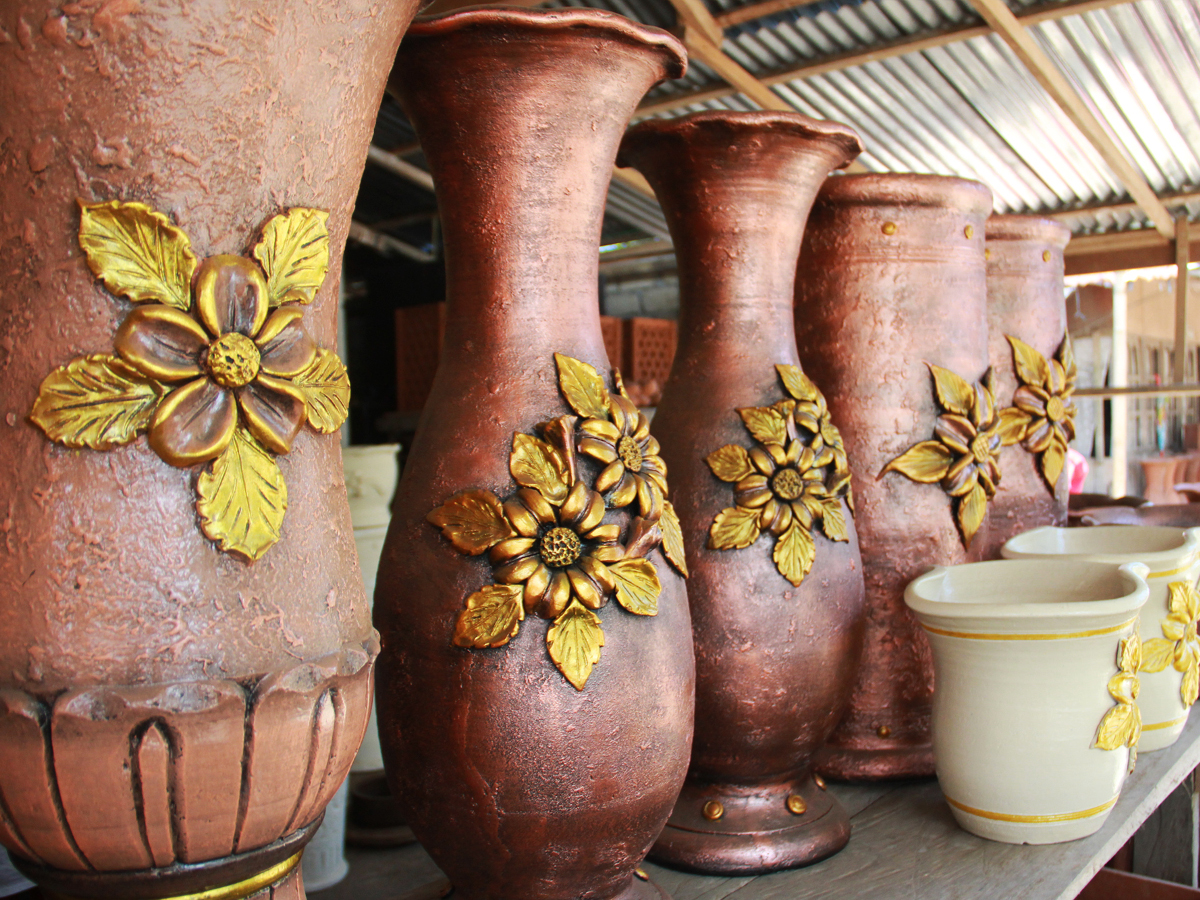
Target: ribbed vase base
pixel 875 764
pixel 732 829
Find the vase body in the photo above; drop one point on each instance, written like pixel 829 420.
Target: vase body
pixel 891 277
pixel 1034 722
pixel 1025 301
pixel 736 189
pixel 200 709
pixel 518 782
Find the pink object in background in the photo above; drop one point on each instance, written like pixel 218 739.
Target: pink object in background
pixel 1077 470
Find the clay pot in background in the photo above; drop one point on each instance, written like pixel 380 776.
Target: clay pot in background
pixel 778 622
pixel 535 730
pixel 891 280
pixel 1034 369
pixel 200 708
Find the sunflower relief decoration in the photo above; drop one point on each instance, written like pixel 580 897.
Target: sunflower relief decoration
pixel 1179 646
pixel 213 362
pixel 553 555
pixel 1122 725
pixel 1043 400
pixel 791 479
pixel 964 455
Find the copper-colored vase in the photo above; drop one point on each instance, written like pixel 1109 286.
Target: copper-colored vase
pixel 536 687
pixel 185 671
pixel 1026 312
pixel 778 622
pixel 891 278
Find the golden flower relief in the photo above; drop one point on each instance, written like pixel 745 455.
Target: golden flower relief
pixel 1043 400
pixel 553 555
pixel 1122 725
pixel 213 363
pixel 1179 646
pixel 795 476
pixel 964 455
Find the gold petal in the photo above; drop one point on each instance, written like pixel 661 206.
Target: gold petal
pixel 954 393
pixel 231 296
pixel 274 410
pixel 509 548
pixel 193 424
pixel 768 514
pixel 137 253
pixel 971 509
pixel 473 521
pixel 241 498
pixel 765 423
pixel 783 519
pixel 536 587
pixel 538 505
pixel 557 597
pixel 733 528
pixel 797 383
pixel 833 520
pixel 584 588
pixel 637 586
pixel 673 538
pixel 777 453
pixel 752 498
pixel 730 463
pixel 601 429
pixel 535 464
pixel 95 401
pixel 762 461
pixel 794 553
pixel 604 533
pixel 955 431
pixel 598 572
pixel 1029 365
pixel 285 346
pixel 1157 654
pixel 649 499
pixel 294 252
pixel 926 462
pixel 599 450
pixel 802 514
pixel 162 342
pixel 582 387
pixel 492 617
pixel 593 513
pixel 574 642
pixel 610 476
pixel 624 493
pixel 523 521
pixel 516 571
pixel 575 503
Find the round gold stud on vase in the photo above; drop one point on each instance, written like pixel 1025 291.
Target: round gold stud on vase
pixel 536 691
pixel 891 318
pixel 762 490
pixel 186 667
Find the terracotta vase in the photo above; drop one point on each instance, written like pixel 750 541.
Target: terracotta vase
pixel 891 316
pixel 534 733
pixel 1030 353
pixel 186 666
pixel 760 477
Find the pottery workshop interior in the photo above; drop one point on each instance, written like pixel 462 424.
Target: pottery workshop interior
pixel 599 450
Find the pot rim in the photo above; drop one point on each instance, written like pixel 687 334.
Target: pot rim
pixel 923 597
pixel 1012 227
pixel 1181 554
pixel 907 189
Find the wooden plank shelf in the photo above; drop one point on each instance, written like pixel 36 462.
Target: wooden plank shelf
pixel 905 845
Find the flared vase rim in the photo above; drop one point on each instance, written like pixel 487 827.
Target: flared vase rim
pixel 675 56
pixel 907 189
pixel 1015 227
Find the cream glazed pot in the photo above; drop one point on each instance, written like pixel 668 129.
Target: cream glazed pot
pixel 1036 667
pixel 1170 651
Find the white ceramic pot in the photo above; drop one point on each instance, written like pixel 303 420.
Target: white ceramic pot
pixel 1168 636
pixel 1027 658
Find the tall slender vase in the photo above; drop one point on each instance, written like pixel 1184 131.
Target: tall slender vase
pixel 891 316
pixel 536 690
pixel 760 480
pixel 1030 353
pixel 186 667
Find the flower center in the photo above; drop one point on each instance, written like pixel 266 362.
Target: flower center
pixel 787 484
pixel 630 453
pixel 981 449
pixel 1055 411
pixel 233 360
pixel 560 547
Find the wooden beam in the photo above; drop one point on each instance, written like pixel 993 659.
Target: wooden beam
pixel 632 178
pixel 715 58
pixel 1170 201
pixel 401 167
pixel 997 14
pixel 912 44
pixel 1123 250
pixel 759 10
pixel 1181 297
pixel 695 16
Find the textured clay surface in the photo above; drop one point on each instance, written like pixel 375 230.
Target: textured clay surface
pixel 891 276
pixel 516 783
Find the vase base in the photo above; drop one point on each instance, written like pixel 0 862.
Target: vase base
pixel 182 878
pixel 732 829
pixel 642 889
pixel 875 764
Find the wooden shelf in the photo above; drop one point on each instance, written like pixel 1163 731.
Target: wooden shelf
pixel 905 845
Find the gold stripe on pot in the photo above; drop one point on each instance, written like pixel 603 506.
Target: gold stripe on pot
pixel 1036 820
pixel 1173 572
pixel 238 891
pixel 1157 726
pixel 1064 636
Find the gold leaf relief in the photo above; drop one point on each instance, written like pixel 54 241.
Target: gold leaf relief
pixel 953 391
pixel 1189 687
pixel 1117 727
pixel 492 617
pixel 574 642
pixel 767 424
pixel 638 586
pixel 797 383
pixel 672 533
pixel 1066 356
pixel 926 462
pixel 1157 654
pixel 326 389
pixel 582 387
pixel 473 521
pixel 794 553
pixel 833 520
pixel 1012 425
pixel 294 252
pixel 95 401
pixel 535 464
pixel 1031 367
pixel 971 509
pixel 733 528
pixel 242 498
pixel 730 463
pixel 1052 462
pixel 137 253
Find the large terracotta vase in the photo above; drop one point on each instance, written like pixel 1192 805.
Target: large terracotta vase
pixel 1030 353
pixel 891 318
pixel 761 486
pixel 186 667
pixel 536 690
